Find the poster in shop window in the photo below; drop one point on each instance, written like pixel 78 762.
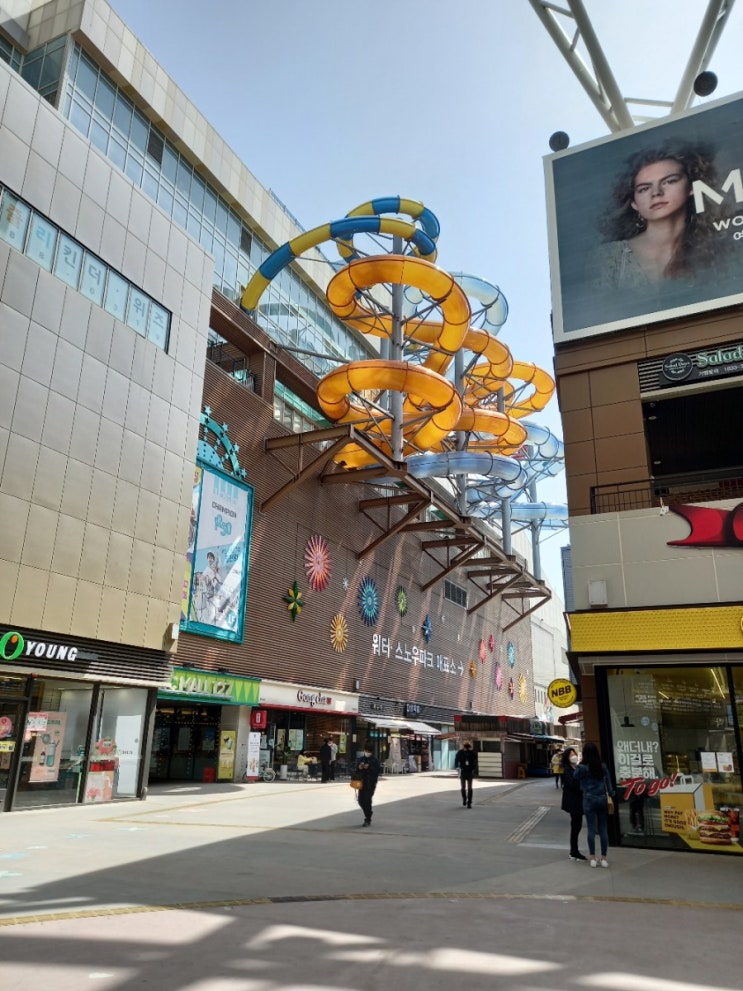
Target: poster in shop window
pixel 215 584
pixel 47 748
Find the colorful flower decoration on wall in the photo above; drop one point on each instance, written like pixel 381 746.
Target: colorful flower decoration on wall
pixel 294 601
pixel 473 669
pixel 401 600
pixel 317 562
pixel 369 601
pixel 511 654
pixel 498 676
pixel 491 643
pixel 482 652
pixel 426 628
pixel 339 633
pixel 511 690
pixel 522 688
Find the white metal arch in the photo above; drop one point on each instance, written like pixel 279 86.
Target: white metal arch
pixel 570 26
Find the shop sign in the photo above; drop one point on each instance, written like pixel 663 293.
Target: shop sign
pixel 312 699
pixel 710 527
pixel 562 693
pixel 721 362
pixel 14 645
pixel 412 709
pixel 7 746
pixel 225 689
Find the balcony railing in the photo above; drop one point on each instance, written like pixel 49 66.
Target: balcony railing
pixel 236 367
pixel 646 493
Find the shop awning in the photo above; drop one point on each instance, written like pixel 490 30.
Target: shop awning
pixel 423 729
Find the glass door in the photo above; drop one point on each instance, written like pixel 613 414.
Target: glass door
pixel 11 722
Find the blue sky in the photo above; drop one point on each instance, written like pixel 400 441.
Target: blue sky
pixel 334 102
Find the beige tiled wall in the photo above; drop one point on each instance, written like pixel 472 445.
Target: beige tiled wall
pixel 98 427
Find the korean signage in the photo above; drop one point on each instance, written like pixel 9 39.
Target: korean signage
pixel 416 656
pixel 207 686
pixel 215 583
pixel 614 202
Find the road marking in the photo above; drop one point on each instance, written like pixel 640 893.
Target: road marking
pixel 96 913
pixel 522 831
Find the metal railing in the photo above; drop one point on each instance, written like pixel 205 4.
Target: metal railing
pixel 646 493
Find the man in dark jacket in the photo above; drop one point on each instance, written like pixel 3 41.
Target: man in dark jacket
pixel 367 769
pixel 466 762
pixel 326 757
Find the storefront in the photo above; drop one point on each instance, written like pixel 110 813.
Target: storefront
pixel 74 718
pixel 401 745
pixel 300 717
pixel 202 726
pixel 668 721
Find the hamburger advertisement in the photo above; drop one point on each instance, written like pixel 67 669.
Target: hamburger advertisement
pixel 713 829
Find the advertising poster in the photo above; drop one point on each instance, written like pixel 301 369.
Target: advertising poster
pixel 47 750
pixel 188 577
pixel 219 557
pixel 648 225
pixel 227 744
pixel 254 755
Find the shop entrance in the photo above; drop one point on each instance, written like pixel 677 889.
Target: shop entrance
pixel 11 722
pixel 185 743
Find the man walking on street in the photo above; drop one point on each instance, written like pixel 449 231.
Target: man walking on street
pixel 333 758
pixel 466 761
pixel 367 769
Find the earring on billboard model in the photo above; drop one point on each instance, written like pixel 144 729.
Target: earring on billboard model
pixel 640 223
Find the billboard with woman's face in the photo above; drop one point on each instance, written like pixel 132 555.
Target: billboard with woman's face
pixel 648 225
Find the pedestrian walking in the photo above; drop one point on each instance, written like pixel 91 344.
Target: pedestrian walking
pixel 572 799
pixel 466 762
pixel 326 757
pixel 367 770
pixel 596 787
pixel 333 758
pixel 556 767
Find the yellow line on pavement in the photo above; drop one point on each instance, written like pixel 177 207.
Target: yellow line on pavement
pixel 95 913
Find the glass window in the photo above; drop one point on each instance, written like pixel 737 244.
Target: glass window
pixel 134 167
pixel 14 217
pixel 170 163
pixel 157 330
pixel 139 131
pixel 52 760
pixel 42 239
pixel 138 311
pixel 116 293
pixel 123 115
pixel 118 740
pixel 105 98
pixel 94 278
pixel 69 261
pixel 183 178
pixel 80 117
pixel 31 70
pixel 52 68
pixel 117 152
pixel 99 135
pixel 676 755
pixel 87 77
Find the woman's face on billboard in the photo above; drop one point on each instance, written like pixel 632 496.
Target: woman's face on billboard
pixel 661 190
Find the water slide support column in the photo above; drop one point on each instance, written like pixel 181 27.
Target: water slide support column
pixel 535 525
pixel 396 354
pixel 505 503
pixel 461 437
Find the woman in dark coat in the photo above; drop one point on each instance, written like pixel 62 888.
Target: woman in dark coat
pixel 572 800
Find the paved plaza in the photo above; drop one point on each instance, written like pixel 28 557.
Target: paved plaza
pixel 259 887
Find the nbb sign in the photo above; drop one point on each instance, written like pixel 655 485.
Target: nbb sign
pixel 562 693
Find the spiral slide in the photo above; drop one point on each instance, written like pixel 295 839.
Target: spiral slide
pixel 505 454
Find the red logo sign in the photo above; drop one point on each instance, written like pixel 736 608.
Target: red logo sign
pixel 710 527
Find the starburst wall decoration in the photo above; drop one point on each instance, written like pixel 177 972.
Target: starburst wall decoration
pixel 294 601
pixel 317 562
pixel 401 600
pixel 338 633
pixel 498 676
pixel 369 601
pixel 523 695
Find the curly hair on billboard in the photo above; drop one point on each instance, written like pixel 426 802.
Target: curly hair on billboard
pixel 652 230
